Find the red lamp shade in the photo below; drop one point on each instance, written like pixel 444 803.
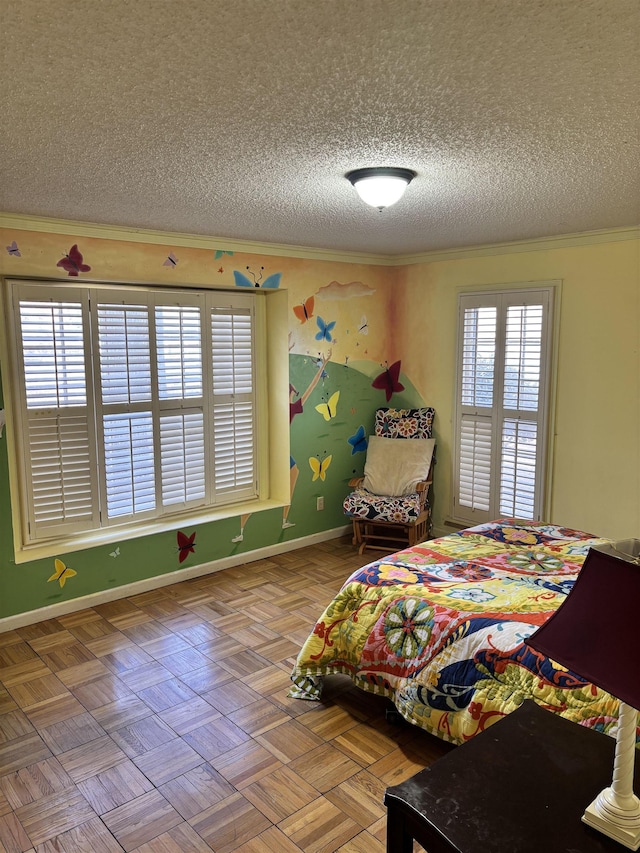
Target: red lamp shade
pixel 595 631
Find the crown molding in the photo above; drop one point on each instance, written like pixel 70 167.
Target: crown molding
pixel 536 244
pixel 24 222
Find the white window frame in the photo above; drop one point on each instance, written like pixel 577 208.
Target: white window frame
pixel 490 420
pixel 266 489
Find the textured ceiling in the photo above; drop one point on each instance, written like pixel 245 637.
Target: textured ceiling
pixel 239 118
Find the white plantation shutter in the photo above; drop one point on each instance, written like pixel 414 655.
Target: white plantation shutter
pixel 233 452
pixel 61 491
pixel 125 405
pixel 232 358
pixel 475 463
pixel 179 351
pixel 53 356
pixel 57 427
pixel 523 357
pixel 503 343
pixel 182 432
pixel 129 464
pixel 124 353
pixel 518 470
pixel 169 423
pixel 478 355
pixel 523 375
pixel 182 458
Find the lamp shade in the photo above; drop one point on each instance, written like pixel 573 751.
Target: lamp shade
pixel 594 632
pixel 381 186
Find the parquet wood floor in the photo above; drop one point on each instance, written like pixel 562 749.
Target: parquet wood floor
pixel 160 723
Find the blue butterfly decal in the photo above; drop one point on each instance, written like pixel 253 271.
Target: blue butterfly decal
pixel 325 329
pixel 358 441
pixel 271 282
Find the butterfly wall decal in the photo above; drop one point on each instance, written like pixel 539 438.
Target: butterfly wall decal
pixel 73 263
pixel 186 545
pixel 220 252
pixel 115 553
pixel 304 311
pixel 363 328
pixel 358 441
pixel 325 329
pixel 389 380
pixel 271 282
pixel 329 409
pixel 319 467
pixel 62 573
pixel 14 250
pixel 171 260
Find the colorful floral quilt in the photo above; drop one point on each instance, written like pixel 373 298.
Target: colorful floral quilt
pixel 439 628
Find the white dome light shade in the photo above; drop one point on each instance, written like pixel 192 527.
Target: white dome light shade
pixel 381 186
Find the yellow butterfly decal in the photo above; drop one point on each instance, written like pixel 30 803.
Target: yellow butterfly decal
pixel 319 468
pixel 328 410
pixel 62 573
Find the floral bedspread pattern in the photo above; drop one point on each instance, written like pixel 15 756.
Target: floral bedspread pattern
pixel 439 628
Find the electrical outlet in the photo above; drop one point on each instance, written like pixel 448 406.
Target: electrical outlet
pixel 320 503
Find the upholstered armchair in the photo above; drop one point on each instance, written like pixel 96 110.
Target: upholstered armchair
pixel 391 503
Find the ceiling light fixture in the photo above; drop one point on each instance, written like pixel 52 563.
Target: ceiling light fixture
pixel 381 186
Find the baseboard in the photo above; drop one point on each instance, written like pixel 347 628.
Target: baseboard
pixel 62 608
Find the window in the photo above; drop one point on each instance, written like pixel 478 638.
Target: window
pixel 133 404
pixel 501 404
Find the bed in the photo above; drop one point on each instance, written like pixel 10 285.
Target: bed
pixel 439 629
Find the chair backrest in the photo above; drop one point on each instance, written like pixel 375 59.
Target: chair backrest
pixel 404 423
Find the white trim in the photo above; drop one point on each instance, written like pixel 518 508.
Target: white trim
pixel 62 608
pixel 536 244
pixel 501 298
pixel 32 543
pixel 48 225
pixel 23 222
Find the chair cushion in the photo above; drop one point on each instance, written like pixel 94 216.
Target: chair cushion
pixel 394 466
pixel 402 510
pixel 404 423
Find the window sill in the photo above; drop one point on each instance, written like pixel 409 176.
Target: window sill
pixel 111 535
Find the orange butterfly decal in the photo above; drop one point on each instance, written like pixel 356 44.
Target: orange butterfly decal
pixel 304 312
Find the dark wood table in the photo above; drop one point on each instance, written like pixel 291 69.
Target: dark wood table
pixel 519 787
